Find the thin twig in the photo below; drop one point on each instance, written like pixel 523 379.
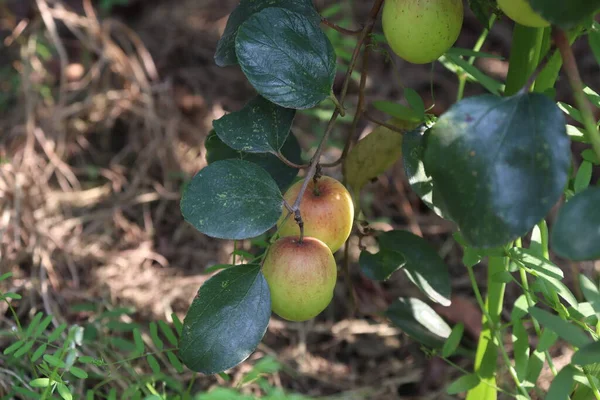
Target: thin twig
pixel 570 67
pixel 338 28
pixel 315 159
pixel 288 162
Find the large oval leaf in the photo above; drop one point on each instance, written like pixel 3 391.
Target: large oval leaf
pixel 575 234
pixel 500 164
pixel 419 321
pixel 566 14
pixel 225 54
pixel 286 57
pixel 259 127
pixel 423 266
pixel 232 199
pixel 382 265
pixel 226 321
pixel 283 174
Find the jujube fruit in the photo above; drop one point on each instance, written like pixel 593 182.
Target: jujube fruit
pixel 301 276
pixel 326 209
pixel 420 31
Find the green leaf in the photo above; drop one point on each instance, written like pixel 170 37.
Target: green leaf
pixel 38 352
pixel 397 111
pixel 78 373
pixel 225 54
pixel 415 101
pixel 413 152
pixel 40 383
pixel 510 159
pixel 232 199
pixel 13 347
pixel 547 340
pixel 562 328
pixel 587 355
pixel 492 85
pixel 154 335
pixel 520 348
pixel 590 291
pixel 259 127
pixel 177 324
pixel 138 341
pixel 575 234
pixel 227 320
pixel 5 276
pixel 174 360
pixel 463 384
pixel 382 265
pixel 54 361
pixel 562 385
pixel 10 295
pixel 153 363
pixel 217 267
pixel 57 332
pixel 168 332
pixel 530 259
pixel 24 349
pixel 419 321
pixel 424 267
pixel 483 10
pixel 286 57
pixel 453 340
pixel 565 14
pixel 64 391
pixel 33 324
pixel 283 174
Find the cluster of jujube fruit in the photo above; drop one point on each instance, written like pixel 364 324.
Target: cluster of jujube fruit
pixel 299 267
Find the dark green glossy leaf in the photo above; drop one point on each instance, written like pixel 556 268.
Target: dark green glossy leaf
pixel 382 265
pixel 575 234
pixel 500 164
pixel 562 328
pixel 286 57
pixel 463 384
pixel 419 321
pixel 227 320
pixel 232 199
pixel 424 267
pixel 565 14
pixel 413 151
pixel 225 54
pixel 562 384
pixel 282 174
pixel 259 127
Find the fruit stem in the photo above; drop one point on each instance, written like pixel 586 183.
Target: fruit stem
pixel 298 219
pixel 315 159
pixel 570 67
pixel 338 28
pixel 316 177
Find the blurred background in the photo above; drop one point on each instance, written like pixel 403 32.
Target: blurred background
pixel 104 108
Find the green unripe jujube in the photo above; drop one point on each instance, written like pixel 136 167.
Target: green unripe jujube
pixel 420 31
pixel 521 12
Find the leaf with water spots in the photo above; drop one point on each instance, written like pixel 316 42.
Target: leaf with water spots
pixel 226 320
pixel 232 199
pixel 259 127
pixel 499 164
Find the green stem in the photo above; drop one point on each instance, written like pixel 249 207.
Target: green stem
pixel 524 57
pixel 547 78
pixel 570 67
pixel 592 383
pixel 462 79
pixel 492 310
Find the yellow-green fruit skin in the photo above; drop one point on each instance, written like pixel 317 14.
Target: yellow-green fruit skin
pixel 420 31
pixel 301 277
pixel 521 12
pixel 328 213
